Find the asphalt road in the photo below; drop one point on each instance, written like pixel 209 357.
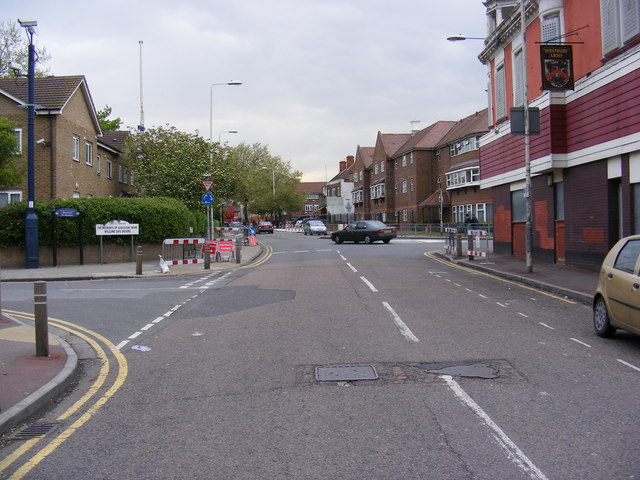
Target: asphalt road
pixel 220 378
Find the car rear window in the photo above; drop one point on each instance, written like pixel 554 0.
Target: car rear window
pixel 628 256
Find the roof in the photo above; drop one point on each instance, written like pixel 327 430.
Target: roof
pixel 393 141
pixel 366 154
pixel 426 138
pixel 51 93
pixel 476 123
pixel 310 187
pixel 114 139
pixel 434 200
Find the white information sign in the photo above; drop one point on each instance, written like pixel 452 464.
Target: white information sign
pixel 117 229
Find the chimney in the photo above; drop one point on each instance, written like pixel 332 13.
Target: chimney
pixel 343 165
pixel 349 160
pixel 415 126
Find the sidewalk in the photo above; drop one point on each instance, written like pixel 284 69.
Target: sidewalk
pixel 28 382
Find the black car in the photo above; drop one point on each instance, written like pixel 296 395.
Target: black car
pixel 366 231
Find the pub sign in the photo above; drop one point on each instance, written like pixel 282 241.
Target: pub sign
pixel 556 67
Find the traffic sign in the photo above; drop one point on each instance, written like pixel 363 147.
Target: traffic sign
pixel 207 184
pixel 207 198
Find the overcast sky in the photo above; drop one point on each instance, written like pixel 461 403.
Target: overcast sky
pixel 320 77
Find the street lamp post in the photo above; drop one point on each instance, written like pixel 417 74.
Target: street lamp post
pixel 31 219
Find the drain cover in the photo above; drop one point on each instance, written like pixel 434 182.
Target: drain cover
pixel 345 373
pixel 462 369
pixel 33 431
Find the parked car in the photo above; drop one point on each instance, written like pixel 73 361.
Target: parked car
pixel 366 231
pixel 314 227
pixel 265 227
pixel 616 303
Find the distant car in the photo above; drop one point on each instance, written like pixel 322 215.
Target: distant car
pixel 366 231
pixel 265 227
pixel 616 303
pixel 314 227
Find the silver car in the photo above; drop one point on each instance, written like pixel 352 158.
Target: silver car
pixel 314 227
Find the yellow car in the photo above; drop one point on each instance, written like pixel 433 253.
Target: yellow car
pixel 616 303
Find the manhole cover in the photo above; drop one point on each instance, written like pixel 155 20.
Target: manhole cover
pixel 462 369
pixel 345 373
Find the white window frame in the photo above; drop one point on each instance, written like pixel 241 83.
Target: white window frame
pixel 518 78
pixel 404 160
pixel 551 28
pixel 11 196
pixel 500 86
pixel 382 166
pixel 404 186
pixel 411 184
pixel 18 133
pixel 404 214
pixel 109 169
pixel 98 165
pixel 88 154
pixel 620 23
pixel 375 169
pixel 75 148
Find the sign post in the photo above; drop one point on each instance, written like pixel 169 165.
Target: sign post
pixel 117 228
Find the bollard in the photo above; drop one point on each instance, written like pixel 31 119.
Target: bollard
pixel 459 246
pixel 139 260
pixel 41 319
pixel 238 248
pixel 470 247
pixel 207 257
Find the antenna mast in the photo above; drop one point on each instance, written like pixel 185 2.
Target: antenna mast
pixel 141 126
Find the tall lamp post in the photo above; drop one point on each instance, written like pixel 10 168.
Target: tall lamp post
pixel 527 150
pixel 233 83
pixel 31 219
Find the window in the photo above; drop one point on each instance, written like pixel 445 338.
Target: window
pixel 518 79
pixel 404 215
pixel 550 28
pixel 109 169
pixel 10 196
pixel 98 165
pixel 404 160
pixel 382 166
pixel 463 178
pixel 404 186
pixel 628 256
pixel 355 177
pixel 411 157
pixel 131 177
pixel 620 23
pixel 75 148
pixel 412 184
pixel 500 93
pixel 518 206
pixel 375 169
pixel 463 146
pixel 559 200
pixel 88 154
pixel 18 133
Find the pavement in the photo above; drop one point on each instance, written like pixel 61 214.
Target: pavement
pixel 28 382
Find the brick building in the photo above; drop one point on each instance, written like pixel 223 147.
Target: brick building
pixel 73 158
pixel 585 163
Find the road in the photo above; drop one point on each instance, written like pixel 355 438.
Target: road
pixel 478 378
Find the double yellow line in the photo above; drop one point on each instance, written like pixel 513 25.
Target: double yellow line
pixel 95 340
pixel 434 257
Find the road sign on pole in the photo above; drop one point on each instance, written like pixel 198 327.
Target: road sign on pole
pixel 207 184
pixel 207 198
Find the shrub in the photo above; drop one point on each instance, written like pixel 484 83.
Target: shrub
pixel 159 218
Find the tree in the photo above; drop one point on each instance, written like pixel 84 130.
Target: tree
pixel 10 173
pixel 105 124
pixel 264 184
pixel 171 163
pixel 14 47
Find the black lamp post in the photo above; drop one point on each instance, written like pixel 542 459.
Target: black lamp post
pixel 31 220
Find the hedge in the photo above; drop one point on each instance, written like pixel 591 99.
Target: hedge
pixel 159 218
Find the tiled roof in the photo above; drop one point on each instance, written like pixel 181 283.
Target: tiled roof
pixel 114 139
pixel 366 154
pixel 434 200
pixel 51 93
pixel 310 187
pixel 393 141
pixel 426 138
pixel 476 123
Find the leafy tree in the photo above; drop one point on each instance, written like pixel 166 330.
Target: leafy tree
pixel 14 47
pixel 10 173
pixel 105 124
pixel 171 163
pixel 264 184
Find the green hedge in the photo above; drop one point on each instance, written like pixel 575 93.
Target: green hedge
pixel 159 218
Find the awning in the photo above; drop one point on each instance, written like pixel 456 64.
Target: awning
pixel 434 200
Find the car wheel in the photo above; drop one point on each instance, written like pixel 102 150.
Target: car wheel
pixel 367 239
pixel 601 322
pixel 337 239
pixel 305 233
pixel 386 240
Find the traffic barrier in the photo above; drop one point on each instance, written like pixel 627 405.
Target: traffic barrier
pixel 182 251
pixel 221 249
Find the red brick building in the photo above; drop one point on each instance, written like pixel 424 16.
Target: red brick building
pixel 585 163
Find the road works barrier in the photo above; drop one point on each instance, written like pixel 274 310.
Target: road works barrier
pixel 182 251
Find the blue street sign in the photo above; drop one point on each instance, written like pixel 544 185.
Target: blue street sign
pixel 207 198
pixel 67 212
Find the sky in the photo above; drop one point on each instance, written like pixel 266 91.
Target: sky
pixel 319 77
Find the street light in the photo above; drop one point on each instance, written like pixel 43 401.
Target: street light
pixel 31 249
pixel 233 83
pixel 227 131
pixel 527 150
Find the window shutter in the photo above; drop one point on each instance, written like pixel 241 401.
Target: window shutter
pixel 501 104
pixel 630 13
pixel 518 98
pixel 551 29
pixel 610 27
